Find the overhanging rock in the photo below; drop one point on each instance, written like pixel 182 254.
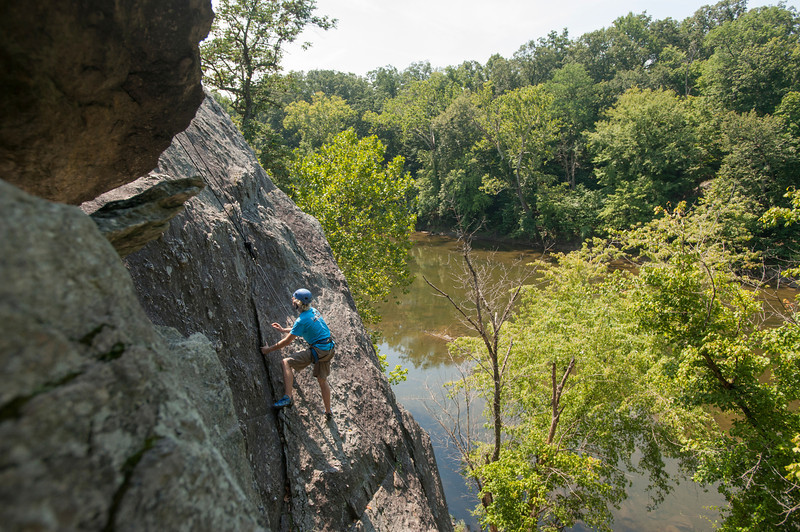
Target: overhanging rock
pixel 93 91
pixel 132 222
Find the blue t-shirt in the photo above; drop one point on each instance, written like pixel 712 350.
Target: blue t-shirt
pixel 312 328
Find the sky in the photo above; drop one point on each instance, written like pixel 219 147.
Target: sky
pixel 376 33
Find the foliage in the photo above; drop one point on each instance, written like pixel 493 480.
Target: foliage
pixel 412 111
pixel 759 164
pixel 567 215
pixel 789 111
pixel 355 90
pixel 316 123
pixel 647 153
pixel 526 477
pixel 793 469
pixel 457 194
pixel 614 124
pixel 395 376
pixel 503 74
pixel 576 104
pixel 399 373
pixel 272 152
pixel 415 107
pixel 787 216
pixel 362 204
pixel 520 127
pixel 761 159
pixel 601 363
pixel 576 404
pixel 717 356
pixel 755 61
pixel 242 57
pixel 539 59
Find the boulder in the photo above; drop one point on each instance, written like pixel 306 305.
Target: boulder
pixel 93 91
pixel 106 422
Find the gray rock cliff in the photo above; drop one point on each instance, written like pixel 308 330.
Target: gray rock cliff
pixel 226 268
pixel 93 91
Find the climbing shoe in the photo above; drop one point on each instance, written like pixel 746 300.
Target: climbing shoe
pixel 328 416
pixel 283 401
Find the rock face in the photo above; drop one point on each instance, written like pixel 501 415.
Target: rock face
pixel 105 422
pixel 226 268
pixel 93 91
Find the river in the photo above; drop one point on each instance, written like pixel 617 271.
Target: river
pixel 415 333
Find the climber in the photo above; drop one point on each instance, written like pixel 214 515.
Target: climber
pixel 312 328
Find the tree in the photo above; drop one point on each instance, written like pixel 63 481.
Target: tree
pixel 591 51
pixel 717 356
pixel 468 75
pixel 575 103
pixel 386 82
pixel 760 159
pixel 520 127
pixel 485 311
pixel 755 60
pixel 564 379
pixel 363 206
pixel 673 71
pixel 708 18
pixel 539 59
pixel 789 111
pixel 459 194
pixel 647 152
pixel 677 66
pixel 316 123
pixel 413 113
pixel 503 74
pixel 242 57
pixel 787 216
pixel 355 90
pixel 578 403
pixel 417 105
pixel 759 164
pixel 632 42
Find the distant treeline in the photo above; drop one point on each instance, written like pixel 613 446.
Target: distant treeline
pixel 577 137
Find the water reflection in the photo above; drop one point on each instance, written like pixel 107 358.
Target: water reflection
pixel 420 323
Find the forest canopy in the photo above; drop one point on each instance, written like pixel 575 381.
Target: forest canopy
pixel 571 137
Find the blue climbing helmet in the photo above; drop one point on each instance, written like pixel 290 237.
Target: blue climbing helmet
pixel 302 295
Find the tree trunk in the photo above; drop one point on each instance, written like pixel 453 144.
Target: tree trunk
pixel 497 414
pixel 555 402
pixel 486 500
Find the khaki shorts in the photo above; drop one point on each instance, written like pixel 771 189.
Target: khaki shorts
pixel 303 358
